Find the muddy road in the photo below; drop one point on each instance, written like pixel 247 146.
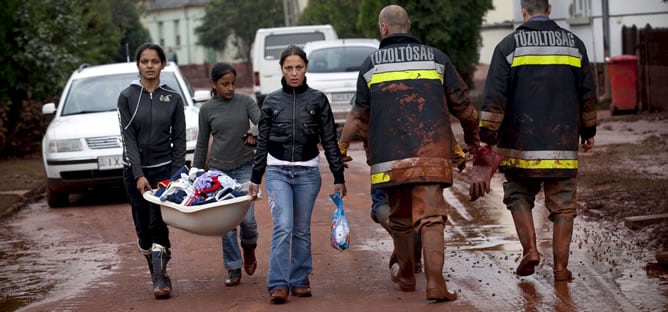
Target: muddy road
pixel 83 258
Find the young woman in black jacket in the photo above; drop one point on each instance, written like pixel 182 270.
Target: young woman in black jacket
pixel 153 131
pixel 294 120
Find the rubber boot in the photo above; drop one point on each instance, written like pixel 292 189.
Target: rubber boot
pixel 526 232
pixel 382 218
pixel 162 285
pixel 147 255
pixel 433 246
pixel 250 263
pixel 561 243
pixel 403 271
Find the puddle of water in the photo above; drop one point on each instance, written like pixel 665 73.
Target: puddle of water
pixel 45 265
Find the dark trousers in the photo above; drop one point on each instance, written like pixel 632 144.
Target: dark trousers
pixel 148 221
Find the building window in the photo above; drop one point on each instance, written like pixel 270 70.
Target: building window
pixel 580 12
pixel 161 33
pixel 580 8
pixel 177 33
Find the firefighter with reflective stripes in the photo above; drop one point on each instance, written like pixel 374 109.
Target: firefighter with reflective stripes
pixel 405 93
pixel 539 101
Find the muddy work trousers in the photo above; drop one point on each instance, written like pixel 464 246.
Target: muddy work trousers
pixel 560 195
pixel 415 205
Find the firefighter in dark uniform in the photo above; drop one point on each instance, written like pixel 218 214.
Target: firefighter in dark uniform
pixel 405 93
pixel 539 101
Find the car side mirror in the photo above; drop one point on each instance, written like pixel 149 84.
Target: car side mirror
pixel 48 108
pixel 201 96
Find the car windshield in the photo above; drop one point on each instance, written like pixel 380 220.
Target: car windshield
pixel 100 94
pixel 275 44
pixel 338 59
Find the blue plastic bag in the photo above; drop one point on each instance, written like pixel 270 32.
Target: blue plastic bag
pixel 340 236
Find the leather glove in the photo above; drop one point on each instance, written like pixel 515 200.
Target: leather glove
pixel 458 158
pixel 343 148
pixel 485 163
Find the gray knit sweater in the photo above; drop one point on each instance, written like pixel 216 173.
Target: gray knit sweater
pixel 227 121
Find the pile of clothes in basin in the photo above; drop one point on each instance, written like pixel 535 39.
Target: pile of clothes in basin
pixel 194 186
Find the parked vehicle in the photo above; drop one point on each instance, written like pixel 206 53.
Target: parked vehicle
pixel 81 148
pixel 333 69
pixel 267 48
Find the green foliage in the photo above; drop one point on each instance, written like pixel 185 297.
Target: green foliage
pixel 450 25
pixel 43 41
pixel 125 16
pixel 237 20
pixel 339 13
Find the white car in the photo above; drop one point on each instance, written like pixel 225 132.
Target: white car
pixel 333 66
pixel 81 148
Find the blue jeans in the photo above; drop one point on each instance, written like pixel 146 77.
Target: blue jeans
pixel 248 226
pixel 291 193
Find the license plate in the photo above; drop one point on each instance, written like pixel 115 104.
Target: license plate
pixel 342 96
pixel 109 162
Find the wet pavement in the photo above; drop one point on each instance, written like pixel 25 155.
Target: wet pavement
pixel 84 258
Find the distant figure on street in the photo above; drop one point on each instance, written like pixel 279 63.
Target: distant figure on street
pixel 171 56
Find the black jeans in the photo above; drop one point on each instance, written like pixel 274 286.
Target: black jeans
pixel 148 221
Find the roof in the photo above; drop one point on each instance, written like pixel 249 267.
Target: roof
pixel 112 69
pixel 158 5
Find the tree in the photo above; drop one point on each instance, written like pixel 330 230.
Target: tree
pixel 237 20
pixel 450 25
pixel 339 13
pixel 125 15
pixel 42 42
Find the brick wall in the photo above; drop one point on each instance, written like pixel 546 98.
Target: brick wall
pixel 198 75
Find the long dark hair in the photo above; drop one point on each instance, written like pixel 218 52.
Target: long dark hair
pixel 151 46
pixel 293 50
pixel 219 70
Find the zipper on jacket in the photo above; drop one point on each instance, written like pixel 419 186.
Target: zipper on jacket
pixel 294 121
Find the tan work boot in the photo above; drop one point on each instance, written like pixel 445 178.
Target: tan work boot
pixel 523 220
pixel 433 246
pixel 561 243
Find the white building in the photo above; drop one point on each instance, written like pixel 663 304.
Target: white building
pixel 172 24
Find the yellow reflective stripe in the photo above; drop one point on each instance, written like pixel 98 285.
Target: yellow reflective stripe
pixel 380 177
pixel 540 163
pixel 490 125
pixel 404 75
pixel 546 60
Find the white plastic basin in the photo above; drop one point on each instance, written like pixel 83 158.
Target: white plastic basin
pixel 209 219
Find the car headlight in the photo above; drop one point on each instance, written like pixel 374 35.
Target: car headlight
pixel 62 146
pixel 191 134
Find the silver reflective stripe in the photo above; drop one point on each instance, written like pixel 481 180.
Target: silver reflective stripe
pixel 522 51
pixel 489 116
pixel 404 66
pixel 538 154
pixel 407 162
pixel 510 57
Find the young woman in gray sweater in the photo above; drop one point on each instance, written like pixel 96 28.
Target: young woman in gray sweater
pixel 226 118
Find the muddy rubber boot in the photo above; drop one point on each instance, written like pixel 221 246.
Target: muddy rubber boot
pixel 526 232
pixel 403 271
pixel 162 285
pixel 561 243
pixel 250 263
pixel 147 255
pixel 433 246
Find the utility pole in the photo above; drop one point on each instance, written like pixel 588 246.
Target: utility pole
pixel 605 20
pixel 290 12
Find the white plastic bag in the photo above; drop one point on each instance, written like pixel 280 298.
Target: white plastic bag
pixel 340 232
